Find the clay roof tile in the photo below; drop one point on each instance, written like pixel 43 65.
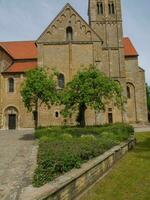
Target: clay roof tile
pixel 21 67
pixel 129 49
pixel 20 50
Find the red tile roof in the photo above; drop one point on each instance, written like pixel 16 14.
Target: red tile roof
pixel 20 50
pixel 129 49
pixel 20 67
pixel 28 50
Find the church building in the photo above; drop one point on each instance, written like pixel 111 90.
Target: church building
pixel 70 44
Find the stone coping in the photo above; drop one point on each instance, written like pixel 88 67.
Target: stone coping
pixel 44 192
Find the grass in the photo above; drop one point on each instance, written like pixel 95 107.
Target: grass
pixel 130 178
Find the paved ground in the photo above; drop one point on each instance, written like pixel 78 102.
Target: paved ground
pixel 142 129
pixel 18 151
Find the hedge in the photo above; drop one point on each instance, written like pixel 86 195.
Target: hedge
pixel 62 149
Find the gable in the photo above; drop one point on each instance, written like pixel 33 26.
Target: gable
pixel 5 59
pixel 68 17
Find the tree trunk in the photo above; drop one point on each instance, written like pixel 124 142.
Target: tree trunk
pixel 35 114
pixel 82 109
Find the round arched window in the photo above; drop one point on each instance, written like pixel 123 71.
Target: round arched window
pixel 69 33
pixel 10 85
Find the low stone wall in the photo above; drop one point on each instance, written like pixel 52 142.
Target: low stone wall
pixel 73 183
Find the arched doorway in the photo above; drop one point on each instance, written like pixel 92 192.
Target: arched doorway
pixel 11 118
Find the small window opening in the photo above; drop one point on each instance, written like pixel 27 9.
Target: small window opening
pixel 11 85
pixel 109 5
pixel 128 92
pixel 111 8
pixel 61 80
pixel 69 33
pixel 56 114
pixel 100 9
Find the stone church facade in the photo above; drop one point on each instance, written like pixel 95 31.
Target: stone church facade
pixel 70 44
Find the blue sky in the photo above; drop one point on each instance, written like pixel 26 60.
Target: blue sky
pixel 26 20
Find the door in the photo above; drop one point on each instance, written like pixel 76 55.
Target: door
pixel 110 118
pixel 12 121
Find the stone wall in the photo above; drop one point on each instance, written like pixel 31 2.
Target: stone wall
pixel 102 47
pixel 135 78
pixel 5 60
pixel 74 183
pixel 24 119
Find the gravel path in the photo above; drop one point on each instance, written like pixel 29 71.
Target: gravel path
pixel 18 152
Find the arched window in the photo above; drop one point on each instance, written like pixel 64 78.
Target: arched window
pixel 61 80
pixel 128 92
pixel 111 8
pixel 109 5
pixel 69 33
pixel 56 114
pixel 10 85
pixel 100 9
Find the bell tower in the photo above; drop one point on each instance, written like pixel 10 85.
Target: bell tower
pixel 105 18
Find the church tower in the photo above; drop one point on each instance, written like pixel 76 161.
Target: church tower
pixel 106 19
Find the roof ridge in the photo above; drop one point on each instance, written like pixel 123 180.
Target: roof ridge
pixel 17 41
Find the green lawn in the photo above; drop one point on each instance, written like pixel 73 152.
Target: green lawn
pixel 130 178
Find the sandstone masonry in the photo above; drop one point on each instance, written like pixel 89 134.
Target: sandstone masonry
pixel 69 44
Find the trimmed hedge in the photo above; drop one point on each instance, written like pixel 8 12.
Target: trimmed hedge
pixel 62 149
pixel 76 131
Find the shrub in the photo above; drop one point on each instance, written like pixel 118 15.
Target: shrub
pixel 88 137
pixel 67 136
pixel 62 149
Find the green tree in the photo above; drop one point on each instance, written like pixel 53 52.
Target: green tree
pixel 37 89
pixel 90 88
pixel 148 100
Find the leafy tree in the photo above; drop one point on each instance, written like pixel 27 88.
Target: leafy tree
pixel 38 88
pixel 90 88
pixel 148 99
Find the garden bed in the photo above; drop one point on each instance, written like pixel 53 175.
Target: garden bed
pixel 63 148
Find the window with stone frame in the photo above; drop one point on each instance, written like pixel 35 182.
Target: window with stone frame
pixel 61 81
pixel 111 8
pixel 11 85
pixel 100 8
pixel 56 114
pixel 69 33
